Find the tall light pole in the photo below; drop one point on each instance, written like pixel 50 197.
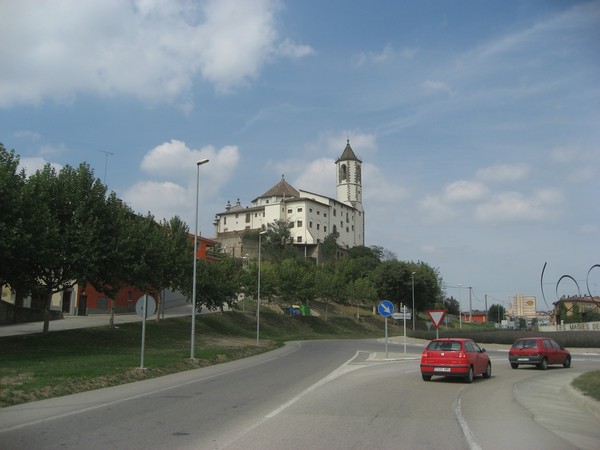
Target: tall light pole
pixel 413 299
pixel 193 339
pixel 459 308
pixel 258 290
pixel 470 305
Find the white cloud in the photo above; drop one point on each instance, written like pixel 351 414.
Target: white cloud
pixel 435 209
pixel 432 87
pixel 387 54
pixel 294 51
pixel 32 165
pixel 515 207
pixel 378 190
pixel 464 191
pixel 504 172
pixel 152 50
pixel 174 159
pixel 175 164
pixel 163 199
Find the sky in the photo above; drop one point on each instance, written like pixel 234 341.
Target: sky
pixel 478 122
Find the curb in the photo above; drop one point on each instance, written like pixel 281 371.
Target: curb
pixel 583 401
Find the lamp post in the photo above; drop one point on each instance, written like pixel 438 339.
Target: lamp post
pixel 258 290
pixel 459 308
pixel 413 299
pixel 193 338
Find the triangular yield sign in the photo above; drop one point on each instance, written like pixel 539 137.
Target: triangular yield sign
pixel 436 316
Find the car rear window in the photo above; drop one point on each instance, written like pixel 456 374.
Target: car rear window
pixel 448 346
pixel 525 343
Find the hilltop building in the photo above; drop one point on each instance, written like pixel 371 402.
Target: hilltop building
pixel 312 216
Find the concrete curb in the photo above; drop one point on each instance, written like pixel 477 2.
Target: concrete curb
pixel 583 401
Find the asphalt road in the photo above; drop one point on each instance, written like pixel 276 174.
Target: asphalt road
pixel 316 395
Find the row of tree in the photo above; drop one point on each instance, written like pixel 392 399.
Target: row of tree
pixel 62 228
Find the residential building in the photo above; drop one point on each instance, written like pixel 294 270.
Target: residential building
pixel 312 216
pixel 524 306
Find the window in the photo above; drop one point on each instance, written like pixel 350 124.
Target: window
pixel 224 220
pixel 290 211
pixel 334 213
pixel 325 228
pixel 324 214
pixel 309 224
pixel 318 213
pixel 237 215
pixel 318 226
pixel 299 209
pixel 343 172
pixel 310 209
pixel 299 239
pixel 299 223
pixel 247 217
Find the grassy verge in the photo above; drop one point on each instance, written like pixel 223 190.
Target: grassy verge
pixel 35 367
pixel 589 384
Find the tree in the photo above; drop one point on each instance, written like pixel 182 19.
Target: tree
pixel 13 224
pixel 278 241
pixel 69 208
pixel 496 313
pixel 362 291
pixel 218 283
pixel 394 281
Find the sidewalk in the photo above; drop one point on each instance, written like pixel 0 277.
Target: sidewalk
pixel 93 320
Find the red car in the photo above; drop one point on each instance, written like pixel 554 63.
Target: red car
pixel 540 352
pixel 455 357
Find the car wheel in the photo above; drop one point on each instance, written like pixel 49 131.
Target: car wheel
pixel 544 364
pixel 426 377
pixel 514 365
pixel 488 371
pixel 469 377
pixel 567 362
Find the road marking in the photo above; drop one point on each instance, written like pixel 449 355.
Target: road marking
pixel 471 442
pixel 342 370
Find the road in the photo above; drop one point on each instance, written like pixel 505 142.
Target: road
pixel 315 395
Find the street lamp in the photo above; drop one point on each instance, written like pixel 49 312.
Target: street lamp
pixel 413 299
pixel 193 338
pixel 258 290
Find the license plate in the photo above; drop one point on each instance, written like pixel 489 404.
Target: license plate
pixel 522 359
pixel 441 369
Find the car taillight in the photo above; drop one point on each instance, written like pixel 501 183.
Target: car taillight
pixel 462 355
pixel 425 355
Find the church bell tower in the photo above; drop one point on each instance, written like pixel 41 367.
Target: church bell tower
pixel 349 184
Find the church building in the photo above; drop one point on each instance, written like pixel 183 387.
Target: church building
pixel 312 216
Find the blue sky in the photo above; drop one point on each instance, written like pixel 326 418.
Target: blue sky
pixel 478 122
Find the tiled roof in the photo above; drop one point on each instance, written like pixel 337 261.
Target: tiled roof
pixel 282 189
pixel 348 154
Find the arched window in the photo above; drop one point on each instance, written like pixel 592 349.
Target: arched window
pixel 343 172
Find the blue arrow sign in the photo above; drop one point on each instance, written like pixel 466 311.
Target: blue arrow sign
pixel 385 308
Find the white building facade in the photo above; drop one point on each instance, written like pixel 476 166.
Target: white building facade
pixel 313 217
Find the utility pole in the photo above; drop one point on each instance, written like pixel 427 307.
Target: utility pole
pixel 470 306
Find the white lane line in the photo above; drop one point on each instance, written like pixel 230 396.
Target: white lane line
pixel 342 370
pixel 471 442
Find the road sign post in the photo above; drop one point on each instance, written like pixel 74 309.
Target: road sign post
pixel 144 310
pixel 385 309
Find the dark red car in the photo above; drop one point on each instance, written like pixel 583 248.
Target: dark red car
pixel 538 351
pixel 455 357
